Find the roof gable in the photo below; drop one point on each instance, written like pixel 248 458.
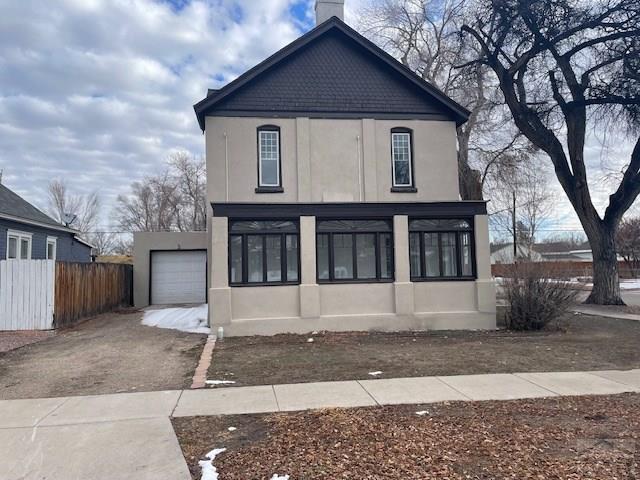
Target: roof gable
pixel 335 72
pixel 11 204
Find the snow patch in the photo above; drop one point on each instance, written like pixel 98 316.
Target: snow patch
pixel 375 374
pixel 630 284
pixel 309 340
pixel 232 429
pixel 219 382
pixel 280 477
pixel 422 412
pixel 191 320
pixel 209 472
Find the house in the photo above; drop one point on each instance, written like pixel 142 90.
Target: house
pixel 503 253
pixel 565 252
pixel 333 185
pixel 27 233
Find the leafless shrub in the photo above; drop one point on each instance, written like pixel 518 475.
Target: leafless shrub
pixel 533 299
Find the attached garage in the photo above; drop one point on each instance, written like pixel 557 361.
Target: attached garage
pixel 170 268
pixel 178 277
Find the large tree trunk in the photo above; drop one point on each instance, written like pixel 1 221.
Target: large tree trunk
pixel 469 180
pixel 606 282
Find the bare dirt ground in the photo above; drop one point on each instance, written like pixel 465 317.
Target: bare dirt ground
pixel 108 354
pixel 583 343
pixel 565 438
pixel 13 340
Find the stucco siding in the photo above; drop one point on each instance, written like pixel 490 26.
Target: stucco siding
pixel 265 302
pixel 357 299
pixel 445 296
pixel 329 160
pixel 68 249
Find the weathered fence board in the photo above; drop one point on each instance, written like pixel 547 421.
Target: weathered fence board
pixel 26 294
pixel 86 289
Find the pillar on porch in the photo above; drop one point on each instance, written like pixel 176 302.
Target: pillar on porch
pixel 219 292
pixel 403 286
pixel 309 288
pixel 485 286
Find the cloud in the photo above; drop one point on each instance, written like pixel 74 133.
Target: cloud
pixel 99 92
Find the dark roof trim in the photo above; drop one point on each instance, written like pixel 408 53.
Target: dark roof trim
pixel 305 113
pixel 346 210
pixel 460 113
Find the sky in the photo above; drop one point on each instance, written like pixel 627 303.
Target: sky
pixel 99 92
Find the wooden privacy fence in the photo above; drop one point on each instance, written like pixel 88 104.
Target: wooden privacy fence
pixel 86 289
pixel 43 294
pixel 26 294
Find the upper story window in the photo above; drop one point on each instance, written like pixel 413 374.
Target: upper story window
pixel 402 159
pixel 441 249
pixel 269 160
pixel 354 251
pixel 264 252
pixel 18 245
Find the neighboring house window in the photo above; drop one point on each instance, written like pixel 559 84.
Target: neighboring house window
pixel 269 174
pixel 18 245
pixel 52 246
pixel 264 252
pixel 354 251
pixel 441 249
pixel 402 159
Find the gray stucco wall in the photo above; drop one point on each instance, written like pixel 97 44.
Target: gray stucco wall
pixel 68 248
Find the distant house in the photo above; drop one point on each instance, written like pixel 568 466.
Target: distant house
pixel 502 253
pixel 542 252
pixel 27 233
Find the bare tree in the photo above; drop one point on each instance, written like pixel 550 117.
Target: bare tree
pixel 190 177
pixel 628 243
pixel 559 64
pixel 79 212
pixel 171 201
pixel 425 36
pixel 521 200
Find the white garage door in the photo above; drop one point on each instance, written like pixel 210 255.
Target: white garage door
pixel 178 277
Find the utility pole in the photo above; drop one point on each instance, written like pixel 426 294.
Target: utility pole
pixel 515 232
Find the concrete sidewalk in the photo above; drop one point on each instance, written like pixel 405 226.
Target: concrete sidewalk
pixel 604 311
pixel 124 436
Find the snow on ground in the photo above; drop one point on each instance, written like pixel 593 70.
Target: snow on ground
pixel 209 472
pixel 219 382
pixel 192 320
pixel 630 284
pixel 375 374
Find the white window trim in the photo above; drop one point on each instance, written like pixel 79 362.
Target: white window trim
pixel 19 236
pixel 393 161
pixel 54 242
pixel 262 183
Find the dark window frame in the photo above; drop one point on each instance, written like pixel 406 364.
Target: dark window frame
pixel 378 257
pixel 458 234
pixel 283 253
pixel 269 188
pixel 410 188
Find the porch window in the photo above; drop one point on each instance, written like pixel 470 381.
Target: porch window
pixel 18 245
pixel 354 251
pixel 264 253
pixel 441 249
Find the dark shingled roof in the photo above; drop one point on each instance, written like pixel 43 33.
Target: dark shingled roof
pixel 333 72
pixel 15 206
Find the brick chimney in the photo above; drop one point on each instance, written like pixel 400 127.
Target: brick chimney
pixel 325 9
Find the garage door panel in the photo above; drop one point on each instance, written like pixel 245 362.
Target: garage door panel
pixel 178 277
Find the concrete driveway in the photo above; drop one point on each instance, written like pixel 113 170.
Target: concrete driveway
pixel 110 437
